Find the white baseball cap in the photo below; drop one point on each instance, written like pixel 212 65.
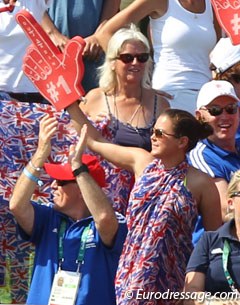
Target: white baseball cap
pixel 214 89
pixel 225 55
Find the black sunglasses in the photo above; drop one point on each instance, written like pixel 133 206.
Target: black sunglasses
pixel 217 110
pixel 235 194
pixel 127 57
pixel 235 78
pixel 159 133
pixel 64 182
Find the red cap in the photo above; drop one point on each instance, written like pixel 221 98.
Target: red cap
pixel 63 171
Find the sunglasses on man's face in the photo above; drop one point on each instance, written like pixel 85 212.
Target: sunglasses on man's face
pixel 159 133
pixel 235 194
pixel 64 182
pixel 217 110
pixel 127 58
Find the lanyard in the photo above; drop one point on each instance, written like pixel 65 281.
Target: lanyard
pixel 225 256
pixel 81 252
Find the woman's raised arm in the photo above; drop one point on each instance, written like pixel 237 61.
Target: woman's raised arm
pixel 131 158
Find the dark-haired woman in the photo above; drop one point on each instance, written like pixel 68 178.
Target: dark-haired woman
pixel 163 206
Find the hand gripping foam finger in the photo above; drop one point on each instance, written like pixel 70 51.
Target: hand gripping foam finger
pixel 57 75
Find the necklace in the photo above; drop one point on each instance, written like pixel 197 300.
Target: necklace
pixel 129 122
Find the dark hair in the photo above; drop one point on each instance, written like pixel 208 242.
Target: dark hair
pixel 185 124
pixel 227 75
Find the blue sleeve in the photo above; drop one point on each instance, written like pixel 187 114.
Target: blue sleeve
pixel 216 165
pixel 121 234
pixel 199 260
pixel 42 214
pixel 201 157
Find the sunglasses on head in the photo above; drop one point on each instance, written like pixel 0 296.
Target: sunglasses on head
pixel 127 57
pixel 159 133
pixel 217 110
pixel 64 182
pixel 235 194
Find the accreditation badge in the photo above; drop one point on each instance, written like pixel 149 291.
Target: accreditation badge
pixel 65 288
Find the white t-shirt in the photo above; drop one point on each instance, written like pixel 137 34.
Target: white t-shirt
pixel 13 44
pixel 182 42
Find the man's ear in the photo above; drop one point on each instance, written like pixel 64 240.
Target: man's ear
pixel 199 116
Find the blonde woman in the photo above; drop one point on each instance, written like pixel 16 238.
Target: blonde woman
pixel 124 107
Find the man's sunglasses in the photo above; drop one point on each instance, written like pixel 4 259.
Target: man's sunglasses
pixel 127 57
pixel 64 182
pixel 235 194
pixel 217 110
pixel 159 133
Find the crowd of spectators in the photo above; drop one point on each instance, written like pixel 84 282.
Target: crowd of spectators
pixel 131 188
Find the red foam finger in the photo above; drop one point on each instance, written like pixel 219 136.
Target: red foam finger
pixel 228 16
pixel 56 75
pixel 38 37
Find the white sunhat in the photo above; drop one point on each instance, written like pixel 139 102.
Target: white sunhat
pixel 224 55
pixel 214 89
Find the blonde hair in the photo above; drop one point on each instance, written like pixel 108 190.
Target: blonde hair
pixel 107 76
pixel 233 186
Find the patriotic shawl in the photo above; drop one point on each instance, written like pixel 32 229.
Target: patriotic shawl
pixel 161 216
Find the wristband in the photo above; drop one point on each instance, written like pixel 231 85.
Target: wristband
pixel 82 169
pixel 38 169
pixel 32 177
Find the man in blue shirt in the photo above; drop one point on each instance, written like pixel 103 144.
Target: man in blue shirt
pixel 219 155
pixel 79 239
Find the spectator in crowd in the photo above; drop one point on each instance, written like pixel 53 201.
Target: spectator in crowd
pixel 79 239
pixel 218 155
pixel 124 107
pixel 66 19
pixel 163 205
pixel 20 107
pixel 174 27
pixel 214 265
pixel 225 63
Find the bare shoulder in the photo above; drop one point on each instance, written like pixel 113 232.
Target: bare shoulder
pixel 150 97
pixel 94 94
pixel 94 102
pixel 162 104
pixel 142 159
pixel 198 182
pixel 196 177
pixel 159 8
